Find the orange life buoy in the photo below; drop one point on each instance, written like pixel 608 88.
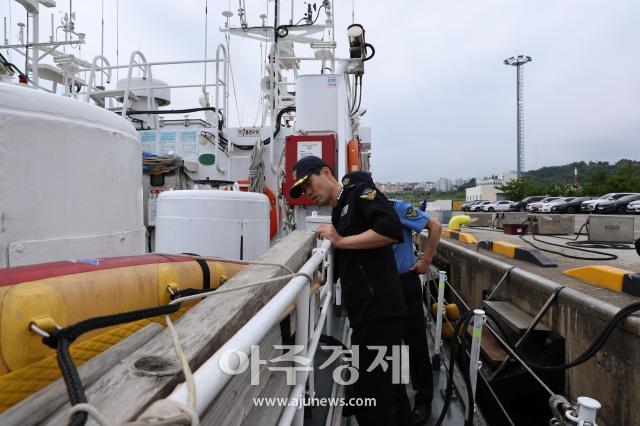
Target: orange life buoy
pixel 273 218
pixel 353 156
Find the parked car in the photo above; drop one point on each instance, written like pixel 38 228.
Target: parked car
pixel 546 207
pixel 498 206
pixel 478 207
pixel 590 206
pixel 465 207
pixel 616 206
pixel 572 206
pixel 521 206
pixel 535 207
pixel 633 207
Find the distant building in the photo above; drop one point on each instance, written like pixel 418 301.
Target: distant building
pixel 444 185
pixel 424 186
pixel 496 180
pixel 395 187
pixel 484 192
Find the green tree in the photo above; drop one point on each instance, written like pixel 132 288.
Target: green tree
pixel 521 188
pixel 563 190
pixel 624 178
pixel 595 181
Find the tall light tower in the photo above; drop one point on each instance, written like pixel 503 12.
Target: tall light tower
pixel 518 62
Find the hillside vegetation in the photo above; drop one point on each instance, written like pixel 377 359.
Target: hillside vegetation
pixel 594 178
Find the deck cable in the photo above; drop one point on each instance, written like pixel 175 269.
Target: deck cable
pixel 605 256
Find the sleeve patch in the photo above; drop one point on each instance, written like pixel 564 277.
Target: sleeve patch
pixel 368 194
pixel 411 212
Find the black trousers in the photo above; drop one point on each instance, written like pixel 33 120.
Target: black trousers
pixel 392 405
pixel 415 336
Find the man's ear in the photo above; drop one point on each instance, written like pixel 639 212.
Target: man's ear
pixel 326 172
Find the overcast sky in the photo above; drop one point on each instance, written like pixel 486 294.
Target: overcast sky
pixel 439 99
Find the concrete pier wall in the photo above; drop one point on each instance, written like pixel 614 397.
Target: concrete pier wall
pixel 612 376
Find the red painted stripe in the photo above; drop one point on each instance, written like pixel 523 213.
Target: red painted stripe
pixel 20 274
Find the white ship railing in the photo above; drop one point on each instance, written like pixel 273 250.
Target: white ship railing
pixel 138 60
pixel 92 75
pixel 210 378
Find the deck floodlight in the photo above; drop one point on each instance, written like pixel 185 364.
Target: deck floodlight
pixel 355 32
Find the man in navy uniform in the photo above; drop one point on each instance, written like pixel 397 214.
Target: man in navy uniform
pixel 363 229
pixel 415 329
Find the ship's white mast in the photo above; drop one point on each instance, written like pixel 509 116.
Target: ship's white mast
pixel 50 48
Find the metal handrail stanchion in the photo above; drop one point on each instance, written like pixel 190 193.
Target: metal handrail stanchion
pixel 301 339
pixel 474 357
pixel 438 337
pixel 329 326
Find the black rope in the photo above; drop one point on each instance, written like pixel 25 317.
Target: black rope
pixel 72 332
pixel 178 294
pixel 75 389
pixel 60 339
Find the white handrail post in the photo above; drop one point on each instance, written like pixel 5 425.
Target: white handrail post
pixel 313 310
pixel 301 341
pixel 92 74
pixel 474 357
pixel 331 284
pixel 222 49
pixel 149 80
pixel 438 337
pixel 127 88
pixel 216 103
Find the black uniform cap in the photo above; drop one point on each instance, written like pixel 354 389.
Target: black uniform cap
pixel 354 177
pixel 301 172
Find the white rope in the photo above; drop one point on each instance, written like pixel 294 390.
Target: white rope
pixel 166 412
pixel 243 287
pixel 91 410
pixel 188 375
